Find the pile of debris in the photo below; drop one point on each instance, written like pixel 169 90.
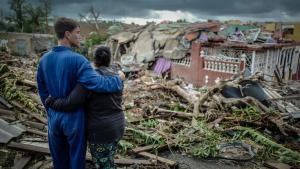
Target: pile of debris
pixel 141 45
pixel 170 40
pixel 202 123
pixel 239 119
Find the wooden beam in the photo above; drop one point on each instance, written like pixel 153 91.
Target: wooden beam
pixel 5 103
pixel 7 112
pixel 8 118
pixel 125 161
pixel 36 132
pixel 22 163
pixel 34 115
pixel 286 98
pixel 148 148
pixel 45 151
pixel 28 83
pixel 160 159
pixel 33 124
pixel 9 61
pixel 29 148
pixel 276 165
pixel 145 148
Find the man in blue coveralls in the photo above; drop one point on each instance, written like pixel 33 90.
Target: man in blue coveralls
pixel 58 72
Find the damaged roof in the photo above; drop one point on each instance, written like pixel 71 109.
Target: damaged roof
pixel 207 26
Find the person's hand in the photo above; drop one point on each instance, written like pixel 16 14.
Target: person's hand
pixel 121 75
pixel 49 101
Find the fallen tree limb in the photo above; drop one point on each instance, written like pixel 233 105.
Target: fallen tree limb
pixel 196 113
pixel 283 126
pixel 173 113
pixel 199 102
pixel 181 92
pixel 217 121
pixel 249 101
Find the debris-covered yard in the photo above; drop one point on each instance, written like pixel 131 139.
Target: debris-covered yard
pixel 245 120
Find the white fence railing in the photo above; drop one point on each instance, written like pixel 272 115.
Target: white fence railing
pixel 185 61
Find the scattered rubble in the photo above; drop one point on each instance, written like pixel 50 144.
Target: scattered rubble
pixel 241 119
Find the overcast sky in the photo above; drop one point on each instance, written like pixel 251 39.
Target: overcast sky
pixel 191 10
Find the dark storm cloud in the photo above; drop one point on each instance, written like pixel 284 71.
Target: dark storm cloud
pixel 292 7
pixel 208 8
pixel 141 8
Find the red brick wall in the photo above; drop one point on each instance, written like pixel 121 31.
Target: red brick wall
pixel 181 71
pixel 195 73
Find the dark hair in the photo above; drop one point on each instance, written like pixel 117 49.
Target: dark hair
pixel 64 24
pixel 102 56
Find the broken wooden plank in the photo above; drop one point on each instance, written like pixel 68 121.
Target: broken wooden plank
pixel 286 98
pixel 6 112
pixel 21 163
pixel 276 165
pixel 10 61
pixel 28 83
pixel 42 150
pixel 37 165
pixel 29 148
pixel 5 103
pixel 33 124
pixel 160 159
pixel 36 116
pixel 148 148
pixel 125 161
pixel 36 132
pixel 8 118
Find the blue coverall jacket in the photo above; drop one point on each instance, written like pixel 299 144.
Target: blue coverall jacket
pixel 58 72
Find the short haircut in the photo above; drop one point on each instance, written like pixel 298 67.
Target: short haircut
pixel 102 56
pixel 64 24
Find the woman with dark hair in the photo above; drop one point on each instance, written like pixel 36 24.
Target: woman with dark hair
pixel 105 117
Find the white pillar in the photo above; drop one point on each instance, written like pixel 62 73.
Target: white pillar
pixel 253 62
pixel 267 61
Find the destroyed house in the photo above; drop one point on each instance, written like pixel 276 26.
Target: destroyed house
pixel 24 44
pixel 212 62
pixel 203 53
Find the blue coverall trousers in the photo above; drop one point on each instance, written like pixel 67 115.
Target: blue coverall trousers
pixel 66 136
